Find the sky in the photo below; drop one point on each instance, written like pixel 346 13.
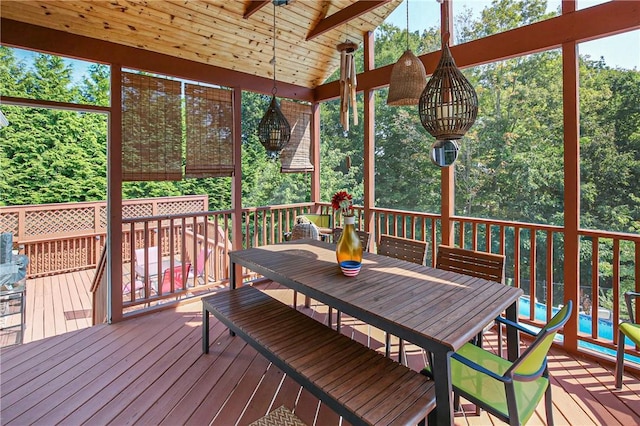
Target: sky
pixel 619 51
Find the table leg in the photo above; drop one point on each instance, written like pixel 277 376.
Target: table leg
pixel 232 275
pixel 232 283
pixel 441 369
pixel 205 330
pixel 513 337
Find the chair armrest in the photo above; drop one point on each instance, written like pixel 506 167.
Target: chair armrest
pixel 628 296
pixel 479 368
pixel 509 323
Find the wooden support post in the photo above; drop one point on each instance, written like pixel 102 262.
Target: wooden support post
pixel 236 186
pixel 369 138
pixel 114 199
pixel 447 183
pixel 571 112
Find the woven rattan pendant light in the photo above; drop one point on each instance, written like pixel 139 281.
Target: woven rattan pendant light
pixel 448 105
pixel 274 130
pixel 408 77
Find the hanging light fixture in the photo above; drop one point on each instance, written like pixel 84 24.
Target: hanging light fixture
pixel 274 130
pixel 448 105
pixel 408 77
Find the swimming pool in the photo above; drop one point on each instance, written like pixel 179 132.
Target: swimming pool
pixel 605 327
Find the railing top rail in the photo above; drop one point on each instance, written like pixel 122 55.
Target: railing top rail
pixel 538 226
pixel 174 216
pixel 394 211
pixel 81 204
pixel 610 234
pixel 278 207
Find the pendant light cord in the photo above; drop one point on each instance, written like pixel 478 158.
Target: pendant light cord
pixel 274 90
pixel 407 24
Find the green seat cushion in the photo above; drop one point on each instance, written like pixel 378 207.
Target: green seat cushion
pixel 320 220
pixel 490 391
pixel 632 331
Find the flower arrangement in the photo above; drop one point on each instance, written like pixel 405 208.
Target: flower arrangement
pixel 342 201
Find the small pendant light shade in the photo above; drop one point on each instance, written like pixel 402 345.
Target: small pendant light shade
pixel 408 79
pixel 448 105
pixel 274 130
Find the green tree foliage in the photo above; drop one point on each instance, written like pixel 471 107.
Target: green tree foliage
pixel 50 156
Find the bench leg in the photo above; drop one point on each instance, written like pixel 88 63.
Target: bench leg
pixel 205 330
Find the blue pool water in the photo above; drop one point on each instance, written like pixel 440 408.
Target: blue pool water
pixel 605 327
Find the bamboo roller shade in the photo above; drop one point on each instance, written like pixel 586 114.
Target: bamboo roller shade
pixel 151 128
pixel 209 113
pixel 296 155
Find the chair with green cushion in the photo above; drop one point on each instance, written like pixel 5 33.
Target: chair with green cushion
pixel 508 390
pixel 320 220
pixel 630 329
pixel 324 222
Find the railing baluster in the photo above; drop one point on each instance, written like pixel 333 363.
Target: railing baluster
pixel 616 288
pixel 595 285
pixel 549 288
pixel 532 269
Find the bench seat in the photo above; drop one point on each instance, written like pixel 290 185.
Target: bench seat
pixel 358 383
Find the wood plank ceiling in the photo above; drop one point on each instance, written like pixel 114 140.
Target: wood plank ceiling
pixel 235 34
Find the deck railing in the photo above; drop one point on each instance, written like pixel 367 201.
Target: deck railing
pixel 67 237
pixel 610 262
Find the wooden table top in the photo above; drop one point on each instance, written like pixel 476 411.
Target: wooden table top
pixel 437 310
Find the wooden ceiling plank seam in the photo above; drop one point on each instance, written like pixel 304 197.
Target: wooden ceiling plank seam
pixel 254 6
pixel 152 41
pixel 23 35
pixel 344 16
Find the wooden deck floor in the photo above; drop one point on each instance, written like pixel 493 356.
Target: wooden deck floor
pixel 55 305
pixel 150 370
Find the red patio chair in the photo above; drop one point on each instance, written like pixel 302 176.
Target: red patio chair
pixel 180 273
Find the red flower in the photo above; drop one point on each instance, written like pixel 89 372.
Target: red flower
pixel 342 201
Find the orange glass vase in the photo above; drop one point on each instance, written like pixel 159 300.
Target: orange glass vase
pixel 349 246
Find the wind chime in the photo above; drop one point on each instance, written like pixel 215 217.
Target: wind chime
pixel 348 83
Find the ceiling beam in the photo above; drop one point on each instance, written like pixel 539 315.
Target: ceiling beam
pixel 345 15
pixel 254 6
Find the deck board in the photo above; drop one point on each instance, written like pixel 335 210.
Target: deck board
pixel 150 370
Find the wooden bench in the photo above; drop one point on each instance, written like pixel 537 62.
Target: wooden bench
pixel 358 383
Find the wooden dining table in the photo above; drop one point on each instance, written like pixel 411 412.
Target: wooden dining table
pixel 436 310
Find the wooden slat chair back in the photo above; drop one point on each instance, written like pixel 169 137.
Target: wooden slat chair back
pixel 475 264
pixel 470 262
pixel 365 237
pixel 403 248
